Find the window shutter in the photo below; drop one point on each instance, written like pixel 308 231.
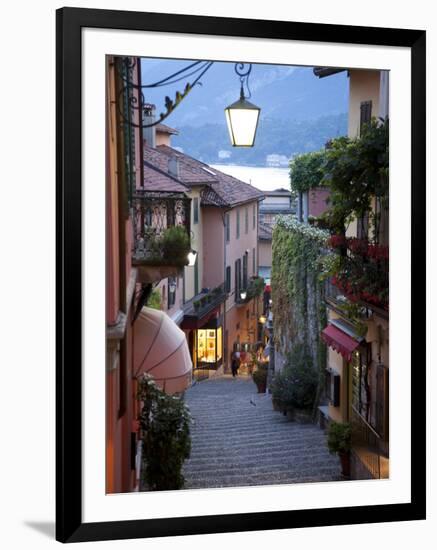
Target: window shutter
pixel 196 210
pixel 228 227
pixel 365 114
pixel 228 279
pixel 245 271
pixel 381 420
pixel 237 291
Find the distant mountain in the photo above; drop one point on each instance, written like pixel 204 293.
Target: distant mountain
pixel 276 140
pixel 283 92
pixel 299 112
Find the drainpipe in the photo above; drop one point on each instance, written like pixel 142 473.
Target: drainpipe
pixel 224 278
pixel 141 131
pixel 123 214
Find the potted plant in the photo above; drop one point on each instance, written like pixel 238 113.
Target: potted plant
pixel 301 384
pixel 260 377
pixel 339 441
pixel 288 400
pixel 196 304
pixel 175 244
pixel 279 391
pixel 165 423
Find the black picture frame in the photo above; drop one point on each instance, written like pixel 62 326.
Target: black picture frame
pixel 69 525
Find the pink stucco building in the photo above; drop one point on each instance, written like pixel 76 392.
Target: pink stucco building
pixel 141 203
pixel 208 302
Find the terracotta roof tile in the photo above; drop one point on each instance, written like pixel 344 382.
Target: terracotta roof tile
pixel 231 191
pixel 166 129
pixel 189 174
pixel 156 180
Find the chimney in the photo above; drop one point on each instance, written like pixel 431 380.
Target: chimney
pixel 149 134
pixel 173 166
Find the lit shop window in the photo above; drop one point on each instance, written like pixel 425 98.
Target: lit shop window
pixel 209 345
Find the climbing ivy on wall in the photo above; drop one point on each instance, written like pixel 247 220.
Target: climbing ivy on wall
pixel 299 310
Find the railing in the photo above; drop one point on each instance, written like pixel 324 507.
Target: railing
pixel 364 274
pixel 332 293
pixel 205 302
pixel 369 447
pixel 254 288
pixel 161 228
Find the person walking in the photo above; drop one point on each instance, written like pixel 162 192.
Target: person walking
pixel 234 365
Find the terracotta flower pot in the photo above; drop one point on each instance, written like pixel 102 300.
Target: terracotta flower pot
pixel 262 387
pixel 303 416
pixel 276 405
pixel 345 460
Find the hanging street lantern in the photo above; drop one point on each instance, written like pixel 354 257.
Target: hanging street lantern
pixel 243 294
pixel 242 116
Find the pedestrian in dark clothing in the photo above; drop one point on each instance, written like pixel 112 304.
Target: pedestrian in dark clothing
pixel 234 366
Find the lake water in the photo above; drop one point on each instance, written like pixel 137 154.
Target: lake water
pixel 264 178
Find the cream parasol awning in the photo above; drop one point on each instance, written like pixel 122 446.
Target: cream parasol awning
pixel 161 349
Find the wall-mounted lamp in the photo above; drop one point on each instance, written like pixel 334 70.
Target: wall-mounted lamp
pixel 192 256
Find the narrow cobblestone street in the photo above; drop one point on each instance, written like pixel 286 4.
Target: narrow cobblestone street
pixel 237 440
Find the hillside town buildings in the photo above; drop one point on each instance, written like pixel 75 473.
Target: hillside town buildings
pixel 189 259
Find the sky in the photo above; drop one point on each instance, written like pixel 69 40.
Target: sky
pixel 280 90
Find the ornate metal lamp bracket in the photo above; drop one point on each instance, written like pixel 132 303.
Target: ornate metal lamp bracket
pixel 131 95
pixel 243 70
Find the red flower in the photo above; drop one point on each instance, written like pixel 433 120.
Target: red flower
pixel 337 241
pixel 358 246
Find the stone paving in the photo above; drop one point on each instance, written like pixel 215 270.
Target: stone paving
pixel 238 440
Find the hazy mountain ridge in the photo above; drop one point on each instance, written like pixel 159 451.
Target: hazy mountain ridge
pixel 277 137
pixel 283 92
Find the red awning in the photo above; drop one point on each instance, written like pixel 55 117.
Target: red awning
pixel 340 341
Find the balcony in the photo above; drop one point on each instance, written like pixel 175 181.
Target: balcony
pixel 161 234
pixel 199 309
pixel 254 288
pixel 363 272
pixel 369 450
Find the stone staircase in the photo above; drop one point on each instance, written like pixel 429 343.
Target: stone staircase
pixel 238 440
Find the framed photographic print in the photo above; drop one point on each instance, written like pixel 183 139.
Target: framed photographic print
pixel 226 185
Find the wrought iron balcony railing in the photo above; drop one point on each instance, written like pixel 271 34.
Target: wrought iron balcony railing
pixel 254 288
pixel 363 274
pixel 205 302
pixel 369 447
pixel 161 228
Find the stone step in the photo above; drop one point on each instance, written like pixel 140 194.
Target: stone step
pixel 262 441
pixel 280 452
pixel 235 443
pixel 262 479
pixel 303 467
pixel 280 456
